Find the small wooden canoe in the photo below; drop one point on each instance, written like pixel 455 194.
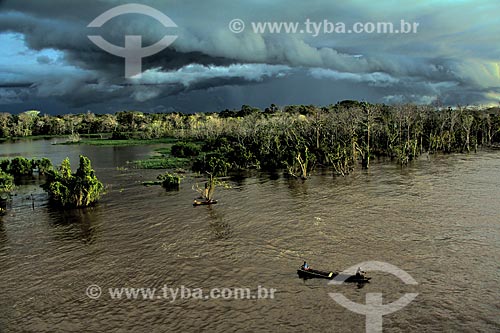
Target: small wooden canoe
pixel 204 202
pixel 313 273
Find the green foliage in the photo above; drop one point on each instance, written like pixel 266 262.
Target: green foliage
pixel 295 138
pixel 151 182
pixel 341 159
pixel 116 135
pixel 5 165
pixel 214 163
pixel 6 183
pixel 43 165
pixel 207 193
pixel 302 164
pixel 161 163
pixel 79 189
pixel 170 180
pixel 185 149
pixel 124 142
pixel 20 166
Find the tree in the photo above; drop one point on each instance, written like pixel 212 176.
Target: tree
pixel 43 165
pixel 20 166
pixel 80 189
pixel 6 186
pixel 6 183
pixel 4 125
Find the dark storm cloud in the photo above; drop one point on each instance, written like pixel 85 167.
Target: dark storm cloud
pixel 451 60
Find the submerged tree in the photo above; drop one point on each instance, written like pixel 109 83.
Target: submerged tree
pixel 6 182
pixel 207 193
pixel 6 186
pixel 218 167
pixel 20 166
pixel 80 189
pixel 301 166
pixel 43 165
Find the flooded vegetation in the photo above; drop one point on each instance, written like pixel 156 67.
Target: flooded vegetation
pixel 415 193
pixel 295 138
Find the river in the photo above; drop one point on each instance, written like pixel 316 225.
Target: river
pixel 437 219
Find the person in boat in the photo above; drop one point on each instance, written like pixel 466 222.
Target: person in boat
pixel 305 266
pixel 359 272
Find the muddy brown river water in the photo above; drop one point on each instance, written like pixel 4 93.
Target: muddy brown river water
pixel 438 220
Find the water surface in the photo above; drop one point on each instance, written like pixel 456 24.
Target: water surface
pixel 437 219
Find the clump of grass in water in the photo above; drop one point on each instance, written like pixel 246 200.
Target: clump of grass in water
pixel 120 142
pixel 161 163
pixel 74 138
pixel 164 161
pixel 165 151
pixel 167 180
pixel 170 180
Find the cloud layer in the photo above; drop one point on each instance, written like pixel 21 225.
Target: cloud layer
pixel 454 57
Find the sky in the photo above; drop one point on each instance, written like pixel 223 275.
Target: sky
pixel 48 63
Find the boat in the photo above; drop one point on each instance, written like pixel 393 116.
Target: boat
pixel 204 202
pixel 313 273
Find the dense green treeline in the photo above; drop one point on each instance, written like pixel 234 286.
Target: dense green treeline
pixel 157 125
pixel 295 138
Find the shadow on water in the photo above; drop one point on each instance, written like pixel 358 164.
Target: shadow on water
pixel 75 224
pixel 168 192
pixel 3 233
pixel 5 203
pixel 239 179
pixel 219 227
pixel 270 176
pixel 358 284
pixel 298 187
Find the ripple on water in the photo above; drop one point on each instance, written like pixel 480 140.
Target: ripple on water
pixel 436 219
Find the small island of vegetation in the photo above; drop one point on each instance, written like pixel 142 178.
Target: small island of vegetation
pixel 65 189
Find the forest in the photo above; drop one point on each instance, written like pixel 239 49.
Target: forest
pixel 296 138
